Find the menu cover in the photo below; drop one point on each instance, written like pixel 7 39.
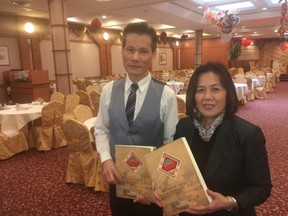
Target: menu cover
pixel 130 163
pixel 176 177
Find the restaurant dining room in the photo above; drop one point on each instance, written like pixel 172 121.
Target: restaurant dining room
pixel 56 56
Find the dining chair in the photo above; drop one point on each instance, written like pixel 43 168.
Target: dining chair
pixel 88 82
pixel 85 99
pixel 91 88
pixel 260 92
pixel 83 163
pixel 80 83
pixel 59 139
pixel 57 96
pixel 181 115
pixel 83 113
pixel 48 133
pixel 181 105
pixel 10 146
pixel 71 102
pixel 95 100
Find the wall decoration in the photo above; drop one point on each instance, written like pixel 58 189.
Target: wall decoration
pixel 162 58
pixel 4 55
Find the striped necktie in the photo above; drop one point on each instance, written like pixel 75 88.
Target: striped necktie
pixel 130 105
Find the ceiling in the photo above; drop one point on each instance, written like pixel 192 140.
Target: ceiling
pixel 175 17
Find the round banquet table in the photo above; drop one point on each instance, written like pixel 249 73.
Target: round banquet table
pixel 176 86
pixel 12 120
pixel 241 90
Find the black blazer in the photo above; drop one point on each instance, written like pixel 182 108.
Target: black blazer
pixel 237 164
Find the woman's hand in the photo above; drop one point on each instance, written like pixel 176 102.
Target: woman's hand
pixel 141 199
pixel 111 173
pixel 219 202
pixel 157 200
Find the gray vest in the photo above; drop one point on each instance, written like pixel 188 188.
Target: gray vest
pixel 147 128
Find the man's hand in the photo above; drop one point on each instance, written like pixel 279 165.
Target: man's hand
pixel 111 173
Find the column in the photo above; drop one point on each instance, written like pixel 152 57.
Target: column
pixel 60 46
pixel 198 48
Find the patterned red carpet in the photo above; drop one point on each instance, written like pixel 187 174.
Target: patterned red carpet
pixel 272 116
pixel 33 183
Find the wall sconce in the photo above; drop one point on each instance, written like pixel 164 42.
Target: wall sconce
pixel 29 27
pixel 177 43
pixel 105 36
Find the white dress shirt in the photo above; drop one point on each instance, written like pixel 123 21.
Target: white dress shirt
pixel 168 113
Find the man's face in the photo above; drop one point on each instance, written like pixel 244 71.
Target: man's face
pixel 137 55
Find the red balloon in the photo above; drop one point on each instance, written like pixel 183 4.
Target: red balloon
pixel 163 35
pixel 246 42
pixel 97 23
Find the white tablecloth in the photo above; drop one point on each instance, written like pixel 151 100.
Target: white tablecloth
pixel 176 86
pixel 241 90
pixel 182 96
pixel 255 83
pixel 261 80
pixel 13 120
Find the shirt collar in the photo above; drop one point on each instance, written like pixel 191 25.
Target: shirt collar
pixel 142 83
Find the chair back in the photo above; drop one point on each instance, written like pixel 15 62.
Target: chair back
pixel 181 105
pixel 83 113
pixel 72 101
pixel 58 136
pixel 91 88
pixel 88 82
pixel 95 99
pixel 57 96
pixel 240 80
pixel 84 98
pixel 80 83
pixel 10 146
pixel 77 136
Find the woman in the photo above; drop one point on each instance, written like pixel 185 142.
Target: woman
pixel 229 151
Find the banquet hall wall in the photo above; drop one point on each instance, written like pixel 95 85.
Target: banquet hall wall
pixel 87 55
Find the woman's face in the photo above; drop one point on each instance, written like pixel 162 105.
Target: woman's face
pixel 210 96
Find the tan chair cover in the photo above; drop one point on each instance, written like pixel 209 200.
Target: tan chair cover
pixel 181 105
pixel 181 115
pixel 85 100
pixel 11 146
pixel 83 163
pixel 81 84
pixel 58 136
pixel 88 82
pixel 260 92
pixel 48 134
pixel 72 101
pixel 91 88
pixel 58 97
pixel 95 99
pixel 83 113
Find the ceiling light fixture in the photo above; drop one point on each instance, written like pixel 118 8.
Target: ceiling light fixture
pixel 29 27
pixel 105 36
pixel 21 3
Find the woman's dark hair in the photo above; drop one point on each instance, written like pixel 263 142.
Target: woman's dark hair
pixel 140 28
pixel 225 80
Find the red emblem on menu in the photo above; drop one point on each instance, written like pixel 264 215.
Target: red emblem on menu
pixel 169 165
pixel 133 162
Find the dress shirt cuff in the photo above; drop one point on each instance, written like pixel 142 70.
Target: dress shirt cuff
pixel 105 156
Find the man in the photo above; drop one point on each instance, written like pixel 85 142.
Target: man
pixel 154 119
